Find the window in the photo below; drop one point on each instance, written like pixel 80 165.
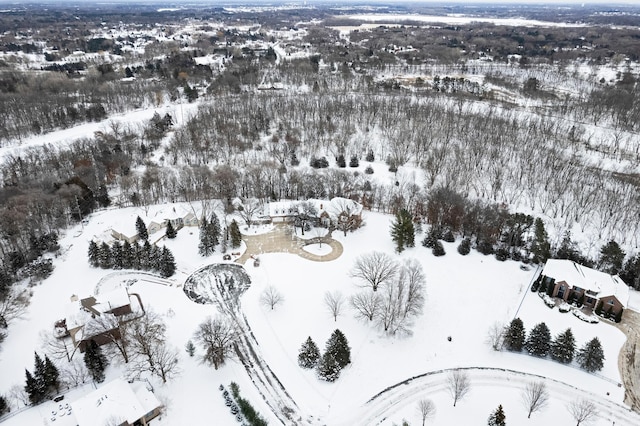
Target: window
pixel 610 302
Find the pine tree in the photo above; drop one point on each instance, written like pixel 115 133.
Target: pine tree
pixel 171 233
pixel 95 361
pixel 539 341
pixel 144 254
pixel 514 335
pixel 141 229
pixel 104 256
pixel 309 354
pixel 540 247
pixel 204 247
pixel 51 375
pixel 93 254
pixel 4 406
pixel 591 356
pixel 497 418
pixel 127 255
pixel 328 368
pixel 403 231
pixel 563 347
pixel 338 346
pixel 167 264
pixel 611 258
pixel 234 234
pixel 39 374
pixel 630 274
pixel 155 258
pixel 116 255
pixel 32 388
pixel 214 230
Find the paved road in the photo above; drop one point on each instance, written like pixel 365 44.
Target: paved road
pixel 629 359
pixel 281 240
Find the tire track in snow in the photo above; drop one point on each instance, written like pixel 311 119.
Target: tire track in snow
pixel 396 397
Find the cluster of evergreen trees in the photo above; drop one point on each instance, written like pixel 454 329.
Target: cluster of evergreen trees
pixel 337 355
pixel 250 414
pixel 562 348
pixel 209 235
pixel 44 382
pixel 143 257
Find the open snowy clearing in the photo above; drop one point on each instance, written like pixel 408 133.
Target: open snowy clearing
pixel 465 297
pixel 456 19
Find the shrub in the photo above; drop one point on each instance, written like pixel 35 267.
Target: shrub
pixel 502 254
pixel 341 162
pixel 438 249
pixel 369 170
pixel 319 163
pixel 354 162
pixel 448 236
pixel 464 247
pixel 370 157
pixel 485 247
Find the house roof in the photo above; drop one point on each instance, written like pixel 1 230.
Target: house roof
pixel 332 207
pixel 115 403
pixel 576 275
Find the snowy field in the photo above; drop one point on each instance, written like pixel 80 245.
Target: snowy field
pixel 465 297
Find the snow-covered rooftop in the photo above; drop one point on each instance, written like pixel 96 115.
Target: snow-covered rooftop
pixel 332 207
pixel 576 275
pixel 115 403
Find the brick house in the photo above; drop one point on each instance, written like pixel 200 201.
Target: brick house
pixel 574 282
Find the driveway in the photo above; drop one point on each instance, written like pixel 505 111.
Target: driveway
pixel 282 240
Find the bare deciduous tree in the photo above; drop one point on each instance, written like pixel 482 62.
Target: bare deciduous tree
pixel 367 304
pixel 13 306
pixel 271 297
pixel 374 269
pixel 458 385
pixel 582 410
pixel 115 329
pixel 249 209
pixel 18 396
pixel 150 350
pixel 427 409
pixel 535 396
pixel 334 302
pixel 217 336
pixel 495 336
pixel 56 347
pixel 75 373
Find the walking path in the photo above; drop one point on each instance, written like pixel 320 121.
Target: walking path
pixel 282 240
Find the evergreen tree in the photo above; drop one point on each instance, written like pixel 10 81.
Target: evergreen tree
pixel 93 254
pixel 497 418
pixel 354 161
pixel 155 258
pixel 591 356
pixel 136 253
pixel 465 247
pixel 630 274
pixel 539 341
pixel 204 247
pixel 116 255
pixel 214 230
pixel 611 258
pixel 403 231
pixel 141 229
pixel 328 368
pixel 171 233
pixel 563 347
pixel 127 255
pixel 145 256
pixel 341 161
pixel 4 406
pixel 234 234
pixel 39 374
pixel 190 348
pixel 514 335
pixel 540 247
pixel 95 361
pixel 309 354
pixel 51 375
pixel 438 249
pixel 104 256
pixel 168 263
pixel 33 390
pixel 338 346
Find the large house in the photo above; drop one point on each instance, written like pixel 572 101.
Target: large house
pixel 117 403
pixel 178 216
pixel 94 318
pixel 332 210
pixel 571 280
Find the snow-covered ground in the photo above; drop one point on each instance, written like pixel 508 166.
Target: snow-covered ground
pixel 465 297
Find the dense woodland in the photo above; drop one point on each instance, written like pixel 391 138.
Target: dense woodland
pixel 408 96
